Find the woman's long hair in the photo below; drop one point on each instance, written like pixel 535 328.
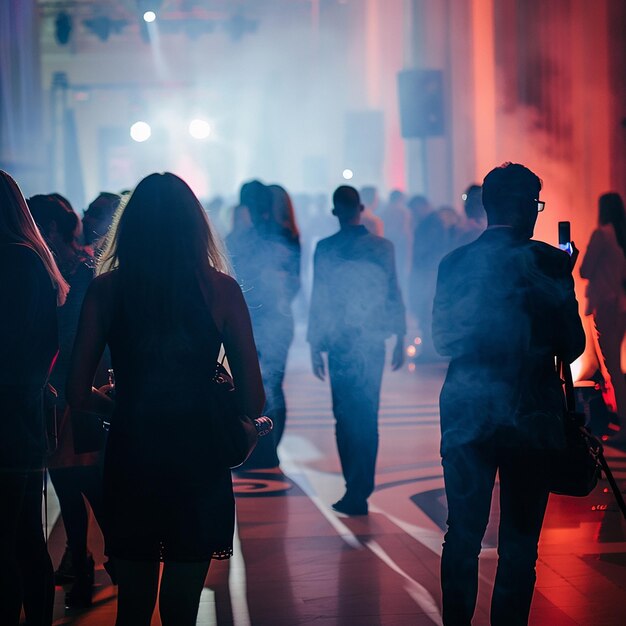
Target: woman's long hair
pixel 162 244
pixel 17 226
pixel 283 211
pixel 611 211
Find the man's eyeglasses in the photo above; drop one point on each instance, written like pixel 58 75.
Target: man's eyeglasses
pixel 541 205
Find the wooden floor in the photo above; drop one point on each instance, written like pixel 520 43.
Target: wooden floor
pixel 297 562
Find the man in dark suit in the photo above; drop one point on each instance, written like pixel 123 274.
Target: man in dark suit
pixel 504 308
pixel 356 303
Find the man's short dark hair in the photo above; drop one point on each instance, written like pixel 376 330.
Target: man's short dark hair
pixel 504 186
pixel 346 199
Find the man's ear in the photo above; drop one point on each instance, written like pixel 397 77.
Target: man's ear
pixel 361 208
pixel 334 211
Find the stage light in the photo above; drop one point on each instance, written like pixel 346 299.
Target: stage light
pixel 347 174
pixel 140 131
pixel 149 9
pixel 199 129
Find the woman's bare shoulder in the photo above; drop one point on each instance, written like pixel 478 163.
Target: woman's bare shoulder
pixel 224 284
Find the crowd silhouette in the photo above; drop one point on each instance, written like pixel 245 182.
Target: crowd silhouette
pixel 143 287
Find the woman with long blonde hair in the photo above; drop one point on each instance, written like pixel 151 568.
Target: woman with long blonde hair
pixel 164 304
pixel 32 287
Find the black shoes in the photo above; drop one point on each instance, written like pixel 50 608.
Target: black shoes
pixel 351 507
pixel 79 595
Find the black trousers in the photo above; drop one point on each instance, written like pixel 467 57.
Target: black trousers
pixel 469 473
pixel 355 369
pixel 25 567
pixel 70 483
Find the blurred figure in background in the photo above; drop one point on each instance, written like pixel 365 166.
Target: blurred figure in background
pixel 604 266
pixel 397 221
pixel 419 207
pixel 435 236
pixel 241 223
pixel 356 304
pixel 32 288
pixel 73 475
pixel 475 215
pixel 266 259
pixel 369 219
pixel 289 237
pixel 97 220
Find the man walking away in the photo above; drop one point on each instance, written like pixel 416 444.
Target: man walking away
pixel 355 304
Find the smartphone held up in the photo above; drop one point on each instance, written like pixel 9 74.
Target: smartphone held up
pixel 565 237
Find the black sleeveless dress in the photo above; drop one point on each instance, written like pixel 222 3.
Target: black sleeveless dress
pixel 165 497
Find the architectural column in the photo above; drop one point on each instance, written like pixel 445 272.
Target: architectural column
pixel 484 96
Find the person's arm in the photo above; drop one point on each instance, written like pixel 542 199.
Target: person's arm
pixel 380 227
pixel 395 310
pixel 88 348
pixel 443 338
pixel 317 363
pixel 318 313
pixel 293 270
pixel 25 314
pixel 397 356
pixel 241 351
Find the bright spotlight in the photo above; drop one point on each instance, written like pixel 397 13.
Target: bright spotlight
pixel 347 174
pixel 140 131
pixel 199 129
pixel 149 16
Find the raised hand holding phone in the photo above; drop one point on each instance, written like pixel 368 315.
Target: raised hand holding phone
pixel 565 237
pixel 566 244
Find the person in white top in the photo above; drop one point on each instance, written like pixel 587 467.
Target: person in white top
pixel 604 266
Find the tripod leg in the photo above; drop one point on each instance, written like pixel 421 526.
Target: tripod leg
pixel 614 487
